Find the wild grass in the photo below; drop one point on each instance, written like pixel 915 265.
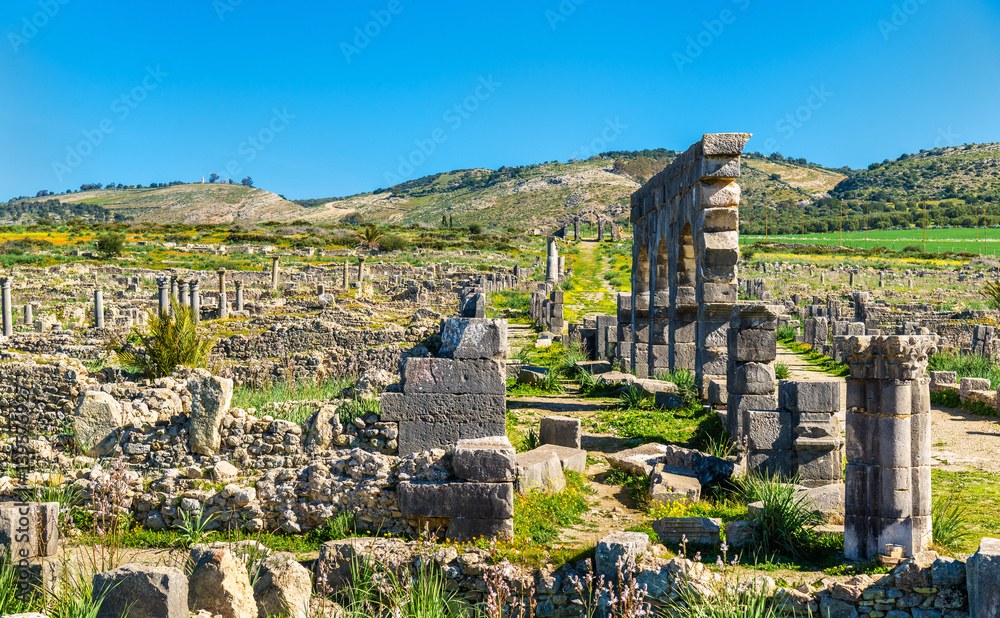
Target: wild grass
pixel 966 366
pixel 781 371
pixel 950 528
pixel 786 524
pixel 540 516
pixel 816 359
pixel 280 392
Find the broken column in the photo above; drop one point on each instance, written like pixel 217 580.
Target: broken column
pixel 163 295
pixel 576 230
pixel 182 292
pixel 8 319
pixel 562 267
pixel 344 284
pixel 274 272
pixel 552 262
pixel 361 269
pixel 600 230
pixel 195 299
pixel 239 295
pixel 888 477
pixel 752 343
pixel 98 309
pixel 29 315
pixel 223 299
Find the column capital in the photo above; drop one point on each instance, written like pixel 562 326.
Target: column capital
pixel 892 357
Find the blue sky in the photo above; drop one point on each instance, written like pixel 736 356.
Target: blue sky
pixel 315 99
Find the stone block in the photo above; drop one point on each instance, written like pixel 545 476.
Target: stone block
pixel 809 396
pixel 638 460
pixel 737 404
pixel 752 345
pixel 741 534
pixel 619 552
pixel 416 436
pixel 719 293
pixel 445 375
pixel 772 463
pixel 942 378
pixel 472 338
pixel 30 529
pixel 752 379
pixel 142 592
pixel 541 470
pixel 561 431
pixel 219 584
pixel 464 500
pixel 532 375
pixel 210 399
pixel 698 530
pixel 283 587
pixel 465 530
pixel 982 572
pixel 487 460
pixel 669 484
pixel 768 430
pixel 826 499
pixel 443 408
pixel 594 367
pixel 816 467
pixel 717 392
pixel 97 421
pixel 573 459
pixel 967 385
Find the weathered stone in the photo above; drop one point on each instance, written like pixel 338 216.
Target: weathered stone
pixel 219 584
pixel 439 407
pixel 573 459
pixel 768 429
pixel 472 338
pixel 30 529
pixel 416 436
pixel 96 423
pixel 283 587
pixel 982 571
pixel 638 460
pixel 697 530
pixel 324 429
pixel 741 534
pixel 541 470
pixel 487 460
pixel 465 500
pixel 463 530
pixel 224 471
pixel 619 552
pixel 669 483
pixel 809 396
pixel 947 572
pixel 210 399
pixel 444 375
pixel 561 431
pixel 139 591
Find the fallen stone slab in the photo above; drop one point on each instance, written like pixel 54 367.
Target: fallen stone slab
pixel 697 530
pixel 142 591
pixel 561 431
pixel 594 367
pixel 97 422
pixel 574 459
pixel 617 378
pixel 465 500
pixel 487 460
pixel 541 470
pixel 828 500
pixel 339 559
pixel 638 460
pixel 671 484
pixel 741 534
pixel 283 587
pixel 483 338
pixel 534 376
pixel 655 388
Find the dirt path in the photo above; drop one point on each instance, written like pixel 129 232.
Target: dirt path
pixel 595 295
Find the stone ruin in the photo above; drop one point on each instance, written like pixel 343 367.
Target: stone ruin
pixel 546 303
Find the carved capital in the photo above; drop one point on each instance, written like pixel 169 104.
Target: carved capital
pixel 859 354
pixel 905 356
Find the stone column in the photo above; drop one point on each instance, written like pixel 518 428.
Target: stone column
pixel 344 285
pixel 600 230
pixel 182 292
pixel 576 230
pixel 752 348
pixel 888 476
pixel 163 296
pixel 29 315
pixel 196 300
pixel 552 261
pixel 8 319
pixel 239 295
pixel 361 269
pixel 174 289
pixel 562 267
pixel 223 299
pixel 320 289
pixel 98 309
pixel 274 272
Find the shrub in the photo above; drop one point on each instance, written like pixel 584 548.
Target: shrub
pixel 170 343
pixel 475 229
pixel 787 332
pixel 393 242
pixel 110 244
pixel 781 371
pixel 786 524
pixel 949 526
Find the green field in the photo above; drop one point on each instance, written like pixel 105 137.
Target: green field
pixel 939 240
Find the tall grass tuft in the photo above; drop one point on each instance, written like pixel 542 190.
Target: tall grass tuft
pixel 949 526
pixel 965 365
pixel 170 342
pixel 786 523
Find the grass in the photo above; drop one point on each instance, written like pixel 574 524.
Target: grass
pixel 280 392
pixel 539 516
pixel 973 493
pixel 939 240
pixel 965 365
pixel 816 359
pixel 689 427
pixel 513 305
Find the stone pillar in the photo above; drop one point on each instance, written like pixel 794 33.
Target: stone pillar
pixel 600 230
pixel 223 298
pixel 320 289
pixel 174 289
pixel 752 344
pixel 552 261
pixel 182 294
pixel 562 267
pixel 239 296
pixel 29 315
pixel 576 230
pixel 982 574
pixel 163 295
pixel 196 300
pixel 361 269
pixel 888 476
pixel 344 285
pixel 98 309
pixel 8 319
pixel 274 272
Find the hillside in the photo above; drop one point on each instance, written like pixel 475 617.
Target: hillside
pixel 968 173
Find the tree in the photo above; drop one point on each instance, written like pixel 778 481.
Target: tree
pixel 213 178
pixel 110 244
pixel 369 235
pixel 168 342
pixel 247 182
pixel 475 228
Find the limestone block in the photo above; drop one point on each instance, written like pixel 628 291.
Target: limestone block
pixel 141 591
pixel 741 534
pixel 717 392
pixel 488 460
pixel 210 399
pixel 465 500
pixel 96 423
pixel 284 587
pixel 444 375
pixel 809 396
pixel 463 530
pixel 471 338
pixel 441 407
pixel 772 463
pixel 561 431
pixel 219 584
pixel 816 467
pixel 768 430
pixel 719 293
pixel 670 483
pixel 30 529
pixel 541 470
pixel 753 345
pixel 532 375
pixel 619 551
pixel 697 530
pixel 826 499
pixel 325 427
pixel 416 436
pixel 752 379
pixel 967 385
pixel 574 459
pixel 596 367
pixel 638 460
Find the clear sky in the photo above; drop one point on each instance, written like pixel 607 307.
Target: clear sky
pixel 319 99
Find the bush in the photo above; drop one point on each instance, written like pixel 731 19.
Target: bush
pixel 949 527
pixel 393 242
pixel 781 371
pixel 786 524
pixel 475 229
pixel 111 244
pixel 170 343
pixel 787 332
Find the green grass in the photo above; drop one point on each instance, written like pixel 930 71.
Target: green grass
pixel 816 359
pixel 939 240
pixel 244 397
pixel 512 304
pixel 685 426
pixel 975 494
pixel 540 516
pixel 966 366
